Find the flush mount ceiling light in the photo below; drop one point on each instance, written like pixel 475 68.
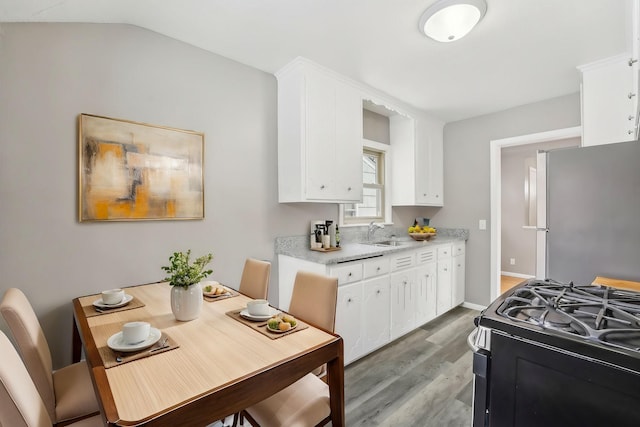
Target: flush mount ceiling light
pixel 450 20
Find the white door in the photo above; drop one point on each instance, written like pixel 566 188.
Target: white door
pixel 541 215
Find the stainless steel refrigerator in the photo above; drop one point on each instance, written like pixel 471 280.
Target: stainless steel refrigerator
pixel 593 212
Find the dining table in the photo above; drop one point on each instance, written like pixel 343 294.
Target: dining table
pixel 205 369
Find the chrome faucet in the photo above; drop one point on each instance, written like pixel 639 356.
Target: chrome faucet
pixel 373 226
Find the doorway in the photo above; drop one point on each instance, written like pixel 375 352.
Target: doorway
pixel 496 147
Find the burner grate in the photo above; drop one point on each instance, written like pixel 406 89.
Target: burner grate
pixel 597 313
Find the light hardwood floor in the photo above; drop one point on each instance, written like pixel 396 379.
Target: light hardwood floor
pixel 423 379
pixel 508 282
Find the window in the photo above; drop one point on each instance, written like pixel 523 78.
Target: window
pixel 373 206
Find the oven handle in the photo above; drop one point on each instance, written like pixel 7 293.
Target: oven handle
pixel 471 340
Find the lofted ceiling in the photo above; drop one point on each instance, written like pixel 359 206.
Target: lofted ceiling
pixel 523 51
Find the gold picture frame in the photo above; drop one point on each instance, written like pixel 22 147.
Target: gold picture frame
pixel 130 171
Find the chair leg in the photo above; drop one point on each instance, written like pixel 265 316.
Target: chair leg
pixel 236 416
pixel 242 415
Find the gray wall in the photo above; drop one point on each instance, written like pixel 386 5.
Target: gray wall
pixel 50 73
pixel 466 175
pixel 519 242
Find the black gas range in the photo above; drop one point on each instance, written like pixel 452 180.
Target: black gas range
pixel 557 354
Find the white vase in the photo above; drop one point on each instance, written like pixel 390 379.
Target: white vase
pixel 186 304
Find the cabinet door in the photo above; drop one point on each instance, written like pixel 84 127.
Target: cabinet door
pixel 320 135
pixel 376 313
pixel 429 163
pixel 349 320
pixel 608 114
pixel 347 173
pixel 458 280
pixel 444 292
pixel 402 289
pixel 426 293
pixel 333 139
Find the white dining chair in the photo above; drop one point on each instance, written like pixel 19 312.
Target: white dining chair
pixel 67 393
pixel 255 278
pixel 20 402
pixel 304 403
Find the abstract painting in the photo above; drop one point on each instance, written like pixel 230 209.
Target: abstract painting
pixel 135 171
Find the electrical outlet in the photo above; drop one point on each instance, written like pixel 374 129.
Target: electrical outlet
pixel 482 224
pixel 512 261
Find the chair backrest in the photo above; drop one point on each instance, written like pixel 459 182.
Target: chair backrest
pixel 314 299
pixel 31 344
pixel 20 402
pixel 255 278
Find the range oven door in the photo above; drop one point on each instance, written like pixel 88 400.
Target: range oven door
pixel 534 385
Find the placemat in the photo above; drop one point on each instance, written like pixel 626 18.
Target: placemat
pixel 111 358
pixel 262 326
pixel 90 310
pixel 232 293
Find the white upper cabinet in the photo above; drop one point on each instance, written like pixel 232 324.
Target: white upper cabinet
pixel 610 92
pixel 425 156
pixel 608 101
pixel 320 140
pixel 319 136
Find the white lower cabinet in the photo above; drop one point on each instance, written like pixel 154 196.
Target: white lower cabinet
pixel 458 278
pixel 444 280
pixel 426 293
pixel 402 292
pixel 383 298
pixel 349 322
pixel 376 313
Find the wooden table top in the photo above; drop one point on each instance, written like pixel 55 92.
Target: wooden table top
pixel 215 351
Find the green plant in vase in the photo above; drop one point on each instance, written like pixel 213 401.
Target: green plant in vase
pixel 184 273
pixel 184 278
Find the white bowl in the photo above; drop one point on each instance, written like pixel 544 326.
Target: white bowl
pixel 135 332
pixel 112 296
pixel 258 307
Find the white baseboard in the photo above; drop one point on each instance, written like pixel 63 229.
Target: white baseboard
pixel 473 306
pixel 520 275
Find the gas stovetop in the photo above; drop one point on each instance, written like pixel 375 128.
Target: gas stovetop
pixel 597 313
pixel 597 321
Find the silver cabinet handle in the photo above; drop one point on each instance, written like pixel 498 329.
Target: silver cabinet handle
pixel 349 189
pixel 378 292
pixel 631 95
pixel 632 61
pixel 322 187
pixel 349 300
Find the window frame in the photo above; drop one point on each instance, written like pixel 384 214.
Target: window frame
pixel 385 186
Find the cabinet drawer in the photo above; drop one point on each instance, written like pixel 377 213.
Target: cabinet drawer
pixel 403 261
pixel 426 255
pixel 347 273
pixel 376 267
pixel 444 251
pixel 458 248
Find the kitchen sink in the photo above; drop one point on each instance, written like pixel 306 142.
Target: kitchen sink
pixel 389 243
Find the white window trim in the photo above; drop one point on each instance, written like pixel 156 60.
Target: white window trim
pixel 387 150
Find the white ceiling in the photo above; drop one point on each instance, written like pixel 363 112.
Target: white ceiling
pixel 521 52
